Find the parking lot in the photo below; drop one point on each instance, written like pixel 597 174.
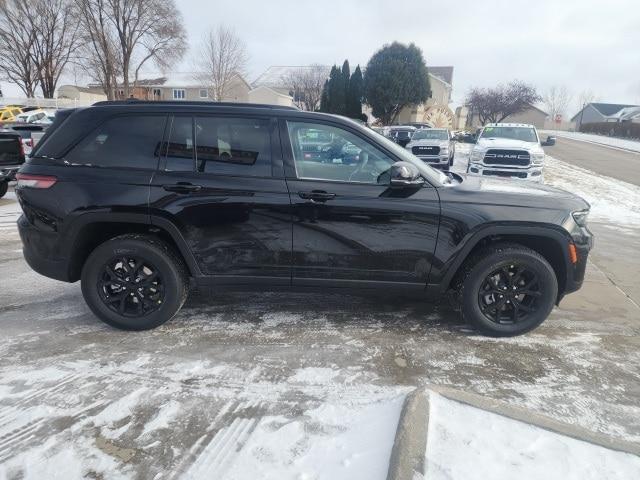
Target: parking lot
pixel 241 382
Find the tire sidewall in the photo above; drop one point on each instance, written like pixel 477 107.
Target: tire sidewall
pixel 471 309
pixel 174 286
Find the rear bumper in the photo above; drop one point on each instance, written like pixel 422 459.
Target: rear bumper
pixel 37 247
pixel 8 173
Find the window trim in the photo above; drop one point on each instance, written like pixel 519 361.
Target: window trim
pixel 162 164
pixel 206 91
pixel 176 90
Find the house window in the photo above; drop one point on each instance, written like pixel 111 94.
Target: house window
pixel 178 93
pixel 157 94
pixel 204 93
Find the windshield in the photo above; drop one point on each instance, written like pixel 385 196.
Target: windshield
pixel 524 134
pixel 430 135
pixel 436 177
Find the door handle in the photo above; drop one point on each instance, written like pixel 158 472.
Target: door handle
pixel 317 195
pixel 182 187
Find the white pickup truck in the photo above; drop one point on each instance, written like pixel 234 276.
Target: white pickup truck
pixel 511 150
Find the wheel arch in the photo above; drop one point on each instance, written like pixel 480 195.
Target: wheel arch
pixel 92 229
pixel 549 241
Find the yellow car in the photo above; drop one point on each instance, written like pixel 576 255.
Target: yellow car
pixel 9 113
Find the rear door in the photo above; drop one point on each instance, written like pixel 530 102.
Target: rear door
pixel 221 184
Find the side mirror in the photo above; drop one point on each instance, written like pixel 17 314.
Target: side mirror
pixel 549 142
pixel 404 174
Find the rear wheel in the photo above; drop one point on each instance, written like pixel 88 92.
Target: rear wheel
pixel 134 282
pixel 4 186
pixel 508 289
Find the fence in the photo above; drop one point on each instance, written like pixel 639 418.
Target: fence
pixel 46 102
pixel 610 129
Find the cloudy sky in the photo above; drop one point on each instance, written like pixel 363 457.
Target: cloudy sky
pixel 581 44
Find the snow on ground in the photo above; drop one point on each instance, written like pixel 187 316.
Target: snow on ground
pixel 611 200
pixel 467 443
pixel 633 145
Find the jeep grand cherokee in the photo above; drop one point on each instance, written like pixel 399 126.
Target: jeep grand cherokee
pixel 138 200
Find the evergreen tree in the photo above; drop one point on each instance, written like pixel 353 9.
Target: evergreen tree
pixel 355 95
pixel 346 77
pixel 324 99
pixel 337 95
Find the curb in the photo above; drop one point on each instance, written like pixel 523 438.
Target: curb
pixel 407 460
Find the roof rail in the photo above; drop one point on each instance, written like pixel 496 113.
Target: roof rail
pixel 134 101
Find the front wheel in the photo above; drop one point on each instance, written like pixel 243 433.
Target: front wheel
pixel 507 290
pixel 134 282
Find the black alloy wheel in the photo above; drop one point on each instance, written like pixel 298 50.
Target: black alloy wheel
pixel 509 294
pixel 131 286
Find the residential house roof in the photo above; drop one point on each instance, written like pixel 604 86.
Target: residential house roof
pixel 275 75
pixel 444 73
pixel 611 110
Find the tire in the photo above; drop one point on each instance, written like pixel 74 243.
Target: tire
pixel 4 186
pixel 479 290
pixel 163 275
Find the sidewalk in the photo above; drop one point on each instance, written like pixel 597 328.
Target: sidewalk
pixel 618 143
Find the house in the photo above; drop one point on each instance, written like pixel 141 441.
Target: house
pixel 270 96
pixel 277 79
pixel 606 112
pixel 434 111
pixel 81 94
pixel 184 86
pixel 531 116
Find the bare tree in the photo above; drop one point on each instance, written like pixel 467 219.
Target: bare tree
pixel 222 56
pixel 16 44
pixel 56 40
pixel 146 30
pixel 306 84
pixel 99 53
pixel 492 105
pixel 556 99
pixel 586 97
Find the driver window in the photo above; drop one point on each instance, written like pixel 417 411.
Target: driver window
pixel 322 152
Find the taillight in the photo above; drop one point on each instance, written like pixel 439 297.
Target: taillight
pixel 35 181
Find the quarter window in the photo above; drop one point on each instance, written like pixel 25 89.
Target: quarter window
pixel 178 94
pixel 235 146
pixel 122 142
pixel 323 152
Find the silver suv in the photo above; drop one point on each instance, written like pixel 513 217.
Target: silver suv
pixel 510 150
pixel 434 146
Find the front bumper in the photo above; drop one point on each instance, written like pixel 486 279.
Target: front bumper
pixel 436 161
pixel 532 173
pixel 8 173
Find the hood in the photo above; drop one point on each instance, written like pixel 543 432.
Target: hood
pixel 507 192
pixel 486 143
pixel 431 142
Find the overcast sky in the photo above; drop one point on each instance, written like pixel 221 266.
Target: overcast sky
pixel 582 44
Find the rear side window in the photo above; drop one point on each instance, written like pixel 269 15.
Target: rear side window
pixel 122 142
pixel 180 148
pixel 234 146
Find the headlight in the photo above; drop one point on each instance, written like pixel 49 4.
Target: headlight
pixel 580 217
pixel 477 155
pixel 538 158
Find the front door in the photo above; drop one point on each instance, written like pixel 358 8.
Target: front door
pixel 349 227
pixel 218 184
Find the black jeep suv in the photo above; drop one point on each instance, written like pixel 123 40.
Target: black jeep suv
pixel 140 200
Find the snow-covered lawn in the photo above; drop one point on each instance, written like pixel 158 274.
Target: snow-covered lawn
pixel 467 443
pixel 633 145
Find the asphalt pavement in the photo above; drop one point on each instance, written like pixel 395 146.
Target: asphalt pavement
pixel 619 164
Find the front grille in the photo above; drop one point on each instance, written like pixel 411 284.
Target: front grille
pixel 425 150
pixel 507 157
pixel 498 173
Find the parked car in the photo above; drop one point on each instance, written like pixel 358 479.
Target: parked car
pixel 511 150
pixel 9 114
pixel 434 146
pixel 401 134
pixel 28 133
pixel 12 156
pixel 31 116
pixel 161 195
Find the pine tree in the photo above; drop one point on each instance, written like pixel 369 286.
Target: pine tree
pixel 336 91
pixel 324 99
pixel 355 95
pixel 346 77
